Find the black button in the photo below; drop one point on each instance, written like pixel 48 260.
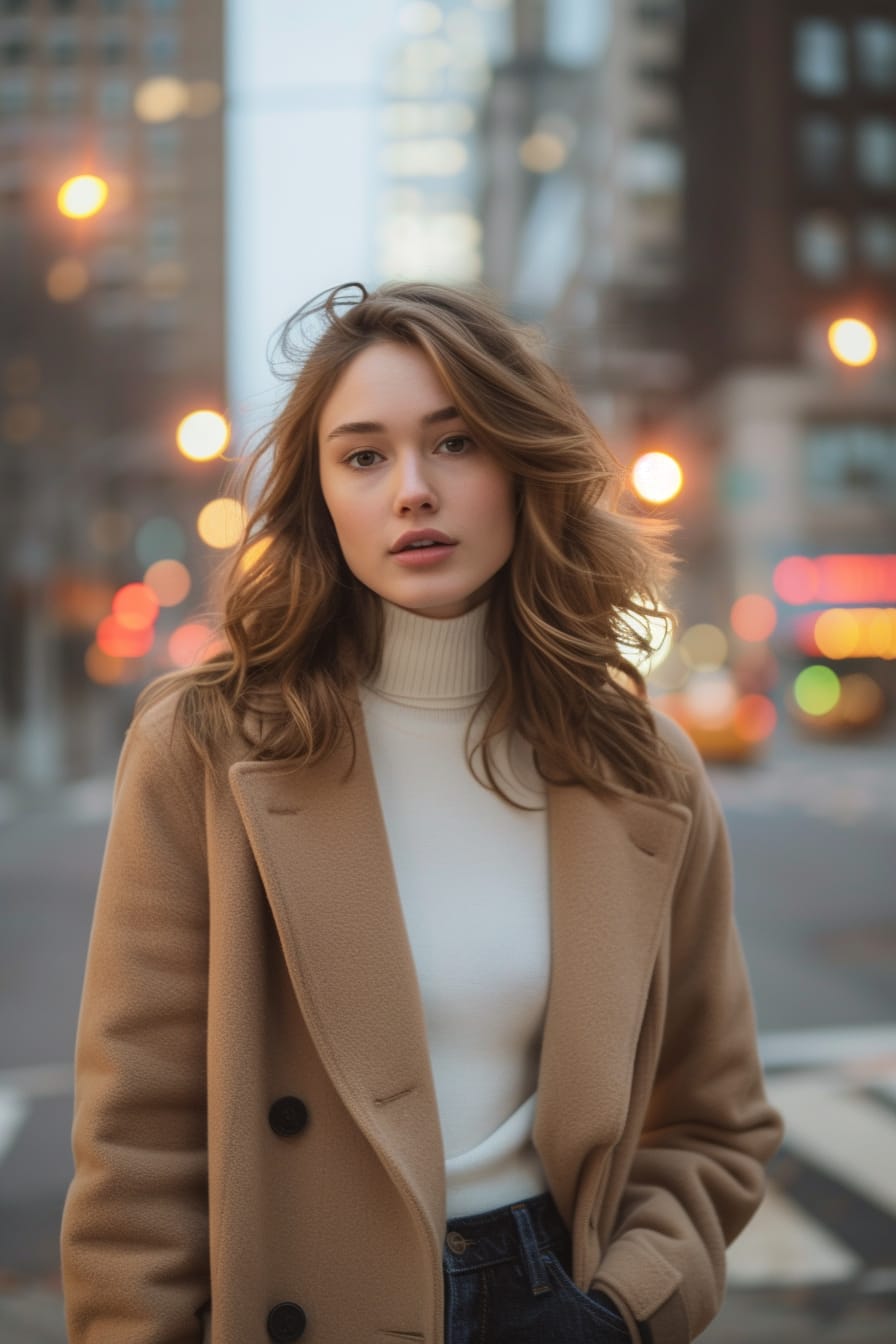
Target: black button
pixel 286 1322
pixel 287 1116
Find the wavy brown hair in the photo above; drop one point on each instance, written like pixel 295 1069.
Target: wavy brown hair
pixel 568 611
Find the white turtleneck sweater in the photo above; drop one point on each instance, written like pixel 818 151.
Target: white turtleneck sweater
pixel 472 875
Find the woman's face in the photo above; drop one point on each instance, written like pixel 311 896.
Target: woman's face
pixel 396 457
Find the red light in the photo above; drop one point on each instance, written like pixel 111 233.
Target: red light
pixel 135 606
pixel 796 579
pixel 117 641
pixel 755 717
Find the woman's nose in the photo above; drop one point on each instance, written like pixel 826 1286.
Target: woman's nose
pixel 413 486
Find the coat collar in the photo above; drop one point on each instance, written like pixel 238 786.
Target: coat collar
pixel 321 847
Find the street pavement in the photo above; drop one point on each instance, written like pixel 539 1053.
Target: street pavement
pixel 812 831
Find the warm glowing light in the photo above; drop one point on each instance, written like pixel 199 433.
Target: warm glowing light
pixel 816 690
pixel 161 99
pixel 250 557
pixel 659 632
pixel 135 606
pixel 836 633
pixel 82 196
pixel 753 617
pixel 202 435
pixel 169 580
pixel 796 579
pixel 704 647
pixel 710 699
pixel 103 668
pixel 221 523
pixel 862 701
pixel 755 717
pixel 852 341
pixel 543 152
pixel 118 641
pixel 657 477
pixel 66 279
pixel 188 643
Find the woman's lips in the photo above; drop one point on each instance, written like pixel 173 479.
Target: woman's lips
pixel 423 555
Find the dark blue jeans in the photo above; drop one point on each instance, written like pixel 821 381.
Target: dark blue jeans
pixel 507 1281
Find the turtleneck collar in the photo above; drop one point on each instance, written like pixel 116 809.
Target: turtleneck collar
pixel 443 663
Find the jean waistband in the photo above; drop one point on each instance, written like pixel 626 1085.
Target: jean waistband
pixel 479 1239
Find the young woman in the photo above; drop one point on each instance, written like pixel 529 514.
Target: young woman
pixel 415 1007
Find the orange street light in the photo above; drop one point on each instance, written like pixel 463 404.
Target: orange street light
pixel 83 196
pixel 852 341
pixel 657 477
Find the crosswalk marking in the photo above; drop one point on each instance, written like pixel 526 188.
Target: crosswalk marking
pixel 783 1245
pixel 848 1135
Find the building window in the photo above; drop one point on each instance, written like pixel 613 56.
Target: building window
pixel 15 52
pixel 575 31
pixel 64 6
pixel 851 459
pixel 14 6
pixel 877 242
pixel 163 238
pixel 876 152
pixel 113 49
pixel 114 97
pixel 822 246
pixel 876 53
pixel 653 165
pixel 820 62
pixel 15 93
pixel 163 6
pixel 821 145
pixel 113 6
pixel 62 49
pixel 162 49
pixel 64 92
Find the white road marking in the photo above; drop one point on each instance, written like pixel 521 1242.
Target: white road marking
pixel 843 1133
pixel 783 1245
pixel 12 1116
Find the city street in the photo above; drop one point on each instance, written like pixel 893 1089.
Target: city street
pixel 812 831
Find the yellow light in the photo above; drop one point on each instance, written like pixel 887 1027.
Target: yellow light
pixel 169 580
pixel 704 647
pixel 202 435
pixel 221 523
pixel 852 341
pixel 543 152
pixel 161 99
pixel 837 633
pixel 82 196
pixel 657 477
pixel 253 555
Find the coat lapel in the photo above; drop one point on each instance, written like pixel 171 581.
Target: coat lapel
pixel 322 850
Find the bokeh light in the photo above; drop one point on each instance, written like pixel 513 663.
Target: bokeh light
pixel 82 196
pixel 202 435
pixel 189 643
pixel 852 341
pixel 135 606
pixel 836 633
pixel 118 641
pixel 657 477
pixel 862 700
pixel 21 422
pixel 704 647
pixel 107 669
pixel 162 98
pixel 169 580
pixel 710 698
pixel 753 617
pixel 817 689
pixel 796 579
pixel 252 555
pixel 221 523
pixel 755 717
pixel 543 152
pixel 160 538
pixel 67 279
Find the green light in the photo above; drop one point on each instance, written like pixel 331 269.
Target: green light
pixel 816 689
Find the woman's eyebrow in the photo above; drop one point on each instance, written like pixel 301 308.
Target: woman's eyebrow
pixel 374 426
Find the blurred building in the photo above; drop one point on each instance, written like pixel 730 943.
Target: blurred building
pixel 113 330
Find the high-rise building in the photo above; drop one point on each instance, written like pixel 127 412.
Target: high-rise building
pixel 113 329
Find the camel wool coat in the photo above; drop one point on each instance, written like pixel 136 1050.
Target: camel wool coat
pixel 257 1145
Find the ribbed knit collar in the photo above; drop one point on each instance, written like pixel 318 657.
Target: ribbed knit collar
pixel 426 661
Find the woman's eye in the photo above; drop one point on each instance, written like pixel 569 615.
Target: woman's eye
pixel 361 452
pixel 462 439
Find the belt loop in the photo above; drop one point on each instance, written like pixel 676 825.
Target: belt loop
pixel 529 1247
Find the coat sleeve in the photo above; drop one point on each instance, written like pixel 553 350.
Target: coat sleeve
pixel 135 1225
pixel 698 1174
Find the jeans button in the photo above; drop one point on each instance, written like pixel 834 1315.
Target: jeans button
pixel 456 1242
